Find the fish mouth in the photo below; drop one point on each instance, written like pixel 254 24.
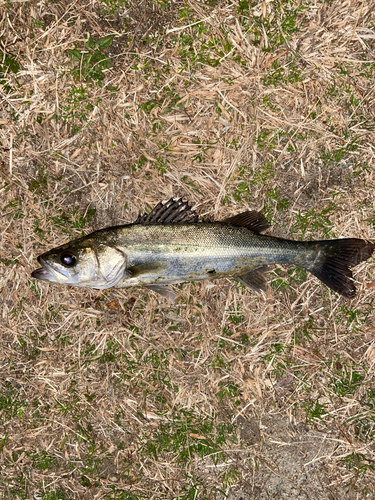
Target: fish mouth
pixel 44 273
pixel 41 274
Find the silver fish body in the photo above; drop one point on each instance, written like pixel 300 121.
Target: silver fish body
pixel 153 252
pixel 172 253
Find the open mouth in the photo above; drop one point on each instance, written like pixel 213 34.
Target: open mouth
pixel 40 274
pixel 43 273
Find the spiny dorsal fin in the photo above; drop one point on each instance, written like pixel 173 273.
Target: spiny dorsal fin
pixel 255 221
pixel 172 211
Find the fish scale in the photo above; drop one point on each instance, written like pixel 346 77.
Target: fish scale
pixel 172 244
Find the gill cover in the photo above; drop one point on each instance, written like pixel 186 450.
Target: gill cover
pixel 111 266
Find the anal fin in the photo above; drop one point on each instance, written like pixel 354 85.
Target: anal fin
pixel 255 279
pixel 163 290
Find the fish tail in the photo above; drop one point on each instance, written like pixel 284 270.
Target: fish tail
pixel 334 258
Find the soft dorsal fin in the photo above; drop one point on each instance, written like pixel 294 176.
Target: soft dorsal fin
pixel 172 211
pixel 255 221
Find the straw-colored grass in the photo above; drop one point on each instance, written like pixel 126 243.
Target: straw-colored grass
pixel 233 106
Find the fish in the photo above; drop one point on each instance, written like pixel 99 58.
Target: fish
pixel 173 244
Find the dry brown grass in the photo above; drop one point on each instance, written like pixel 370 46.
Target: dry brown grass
pixel 118 394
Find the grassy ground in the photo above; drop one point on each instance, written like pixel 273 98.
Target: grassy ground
pixel 108 107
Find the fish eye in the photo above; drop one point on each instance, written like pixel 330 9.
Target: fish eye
pixel 68 259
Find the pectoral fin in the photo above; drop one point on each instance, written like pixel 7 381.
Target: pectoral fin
pixel 155 268
pixel 164 291
pixel 255 279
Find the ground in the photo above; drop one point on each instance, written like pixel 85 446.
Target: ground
pixel 108 107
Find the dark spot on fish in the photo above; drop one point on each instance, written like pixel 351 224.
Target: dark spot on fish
pixel 211 271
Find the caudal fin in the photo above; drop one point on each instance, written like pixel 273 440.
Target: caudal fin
pixel 334 260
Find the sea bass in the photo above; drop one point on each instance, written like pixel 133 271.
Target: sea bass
pixel 172 244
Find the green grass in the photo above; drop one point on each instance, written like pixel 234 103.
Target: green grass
pixel 289 72
pixel 76 108
pixel 247 179
pixel 185 435
pixel 113 6
pixel 315 411
pixel 116 394
pixel 359 464
pixel 11 403
pixel 91 62
pixel 14 207
pixel 312 222
pixel 353 318
pixel 8 63
pixel 347 378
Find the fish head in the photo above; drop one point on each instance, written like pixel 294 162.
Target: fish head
pixel 83 264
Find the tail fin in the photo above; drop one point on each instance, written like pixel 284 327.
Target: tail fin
pixel 334 260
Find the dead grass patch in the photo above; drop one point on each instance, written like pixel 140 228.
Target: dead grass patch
pixel 230 105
